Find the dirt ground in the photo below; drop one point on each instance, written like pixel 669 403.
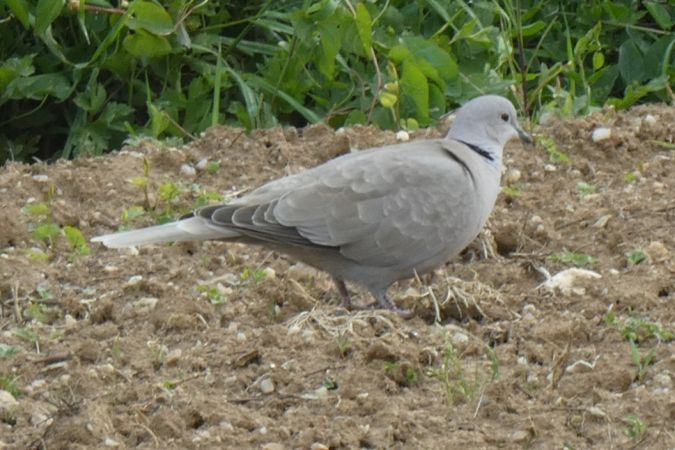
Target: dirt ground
pixel 217 345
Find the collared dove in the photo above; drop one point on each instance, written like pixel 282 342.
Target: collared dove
pixel 372 217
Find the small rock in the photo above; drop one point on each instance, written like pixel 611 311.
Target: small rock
pixel 241 337
pixel 110 269
pixel 106 368
pixel 270 274
pixel 550 168
pixel 301 272
pixel 7 402
pixel 520 436
pixel 174 356
pixel 522 361
pixel 601 134
pixel 110 442
pixel 133 280
pixel 597 412
pixel 201 165
pixel 602 221
pixel 38 418
pixel 460 339
pixel 187 170
pixel 402 136
pixel 225 291
pixel 649 119
pixel 267 386
pixel 664 380
pixel 145 305
pixel 512 176
pixel 272 445
pixel 657 251
pixel 318 446
pixel 41 178
pixel 225 425
pixel 529 309
pixel 69 321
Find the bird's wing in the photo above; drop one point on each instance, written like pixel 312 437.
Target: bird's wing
pixel 379 207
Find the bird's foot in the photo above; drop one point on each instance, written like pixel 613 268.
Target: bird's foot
pixel 383 302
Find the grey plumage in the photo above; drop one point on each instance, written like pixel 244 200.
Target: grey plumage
pixel 371 217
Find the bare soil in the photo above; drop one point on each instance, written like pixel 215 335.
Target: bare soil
pixel 217 345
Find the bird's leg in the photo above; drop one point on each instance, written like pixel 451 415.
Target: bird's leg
pixel 346 300
pixel 386 303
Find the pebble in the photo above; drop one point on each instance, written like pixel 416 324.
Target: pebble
pixel 529 309
pixel 460 339
pixel 272 445
pixel 267 386
pixel 145 304
pixel 69 321
pixel 649 119
pixel 201 165
pixel 225 425
pixel 134 280
pixel 597 412
pixel 38 418
pixel 602 221
pixel 566 280
pixel 601 134
pixel 270 274
pixel 657 251
pixel 41 178
pixel 110 442
pixel 174 356
pixel 402 136
pixel 187 170
pixel 550 168
pixel 664 380
pixel 7 402
pixel 110 269
pixel 512 176
pixel 318 446
pixel 241 337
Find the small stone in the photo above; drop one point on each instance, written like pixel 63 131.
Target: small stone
pixel 7 402
pixel 225 425
pixel 597 412
pixel 522 361
pixel 318 446
pixel 529 309
pixel 270 274
pixel 174 356
pixel 550 168
pixel 110 442
pixel 38 418
pixel 110 269
pixel 602 221
pixel 402 136
pixel 41 178
pixel 301 272
pixel 512 176
pixel 520 436
pixel 145 305
pixel 225 291
pixel 601 134
pixel 664 380
pixel 272 445
pixel 567 280
pixel 266 386
pixel 201 165
pixel 657 251
pixel 69 321
pixel 649 119
pixel 134 280
pixel 106 368
pixel 460 339
pixel 187 170
pixel 241 337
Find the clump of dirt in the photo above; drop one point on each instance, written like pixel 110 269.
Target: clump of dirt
pixel 215 345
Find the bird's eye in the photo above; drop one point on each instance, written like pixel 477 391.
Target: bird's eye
pixel 505 117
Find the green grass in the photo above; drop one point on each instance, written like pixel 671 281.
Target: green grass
pixel 79 80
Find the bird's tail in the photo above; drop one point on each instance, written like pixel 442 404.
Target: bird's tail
pixel 190 229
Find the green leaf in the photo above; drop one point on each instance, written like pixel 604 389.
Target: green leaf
pixel 35 254
pixel 530 29
pixel 76 240
pixel 660 14
pixel 15 67
pixel 159 121
pixel 8 350
pixel 143 44
pixel 20 10
pixel 415 92
pixel 47 11
pixel 598 60
pixel 36 87
pixel 364 27
pixel 331 40
pixel 631 62
pixel 151 17
pixel 46 232
pixel 36 209
pixel 92 99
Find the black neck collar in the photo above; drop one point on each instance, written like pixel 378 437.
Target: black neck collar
pixel 484 153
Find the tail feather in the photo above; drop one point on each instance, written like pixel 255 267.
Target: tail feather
pixel 189 229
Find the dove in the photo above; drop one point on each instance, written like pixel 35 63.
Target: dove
pixel 371 217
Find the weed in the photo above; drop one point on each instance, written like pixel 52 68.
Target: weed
pixel 554 154
pixel 212 293
pixel 35 254
pixel 636 427
pixel 76 240
pixel 330 383
pixel 575 259
pixel 457 385
pixel 635 256
pixel 641 362
pixel 8 350
pixel 8 383
pixel 585 189
pixel 344 345
pixel 255 276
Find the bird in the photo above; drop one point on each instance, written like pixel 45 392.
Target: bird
pixel 371 217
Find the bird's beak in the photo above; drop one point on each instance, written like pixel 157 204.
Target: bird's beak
pixel 523 135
